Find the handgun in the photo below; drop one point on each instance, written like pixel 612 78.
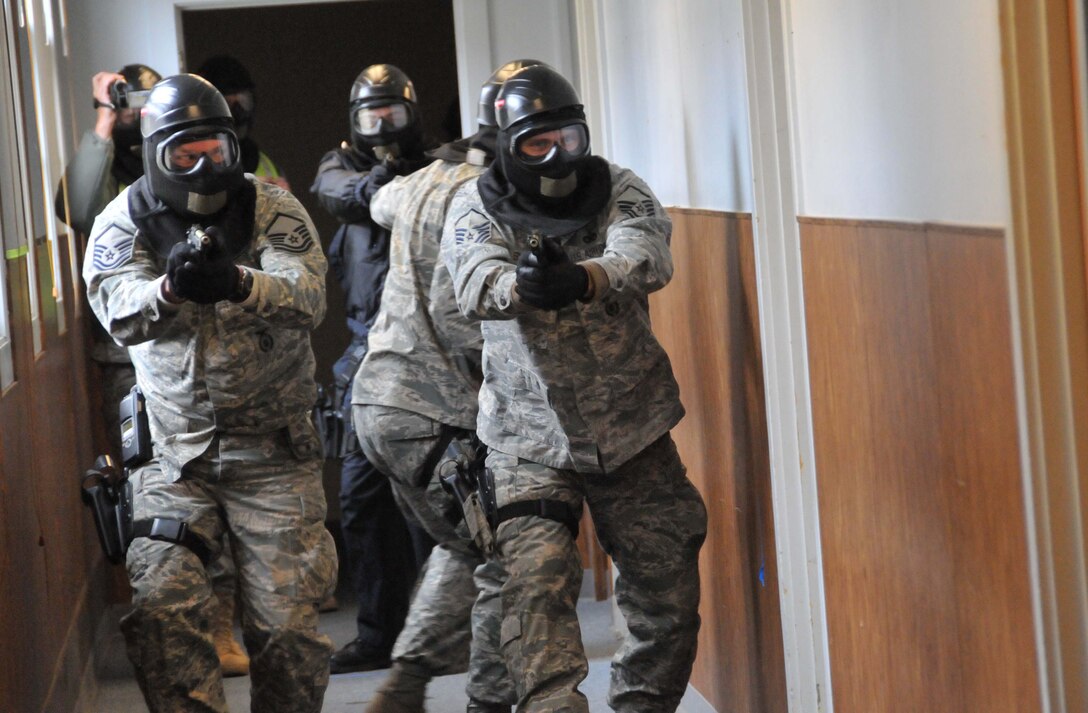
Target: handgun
pixel 199 239
pixel 536 247
pixel 386 154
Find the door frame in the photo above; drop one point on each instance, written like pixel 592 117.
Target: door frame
pixel 1050 328
pixel 794 470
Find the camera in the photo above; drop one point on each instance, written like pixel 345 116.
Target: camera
pixel 123 96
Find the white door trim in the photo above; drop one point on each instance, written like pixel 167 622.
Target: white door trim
pixel 776 193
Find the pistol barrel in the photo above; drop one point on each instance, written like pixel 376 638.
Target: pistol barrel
pixel 199 239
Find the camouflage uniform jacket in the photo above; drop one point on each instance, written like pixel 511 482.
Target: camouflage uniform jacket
pixel 424 356
pixel 227 368
pixel 586 387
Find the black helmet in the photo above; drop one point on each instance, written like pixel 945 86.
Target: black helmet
pixel 543 137
pixel 384 115
pixel 232 80
pixel 485 116
pixel 191 156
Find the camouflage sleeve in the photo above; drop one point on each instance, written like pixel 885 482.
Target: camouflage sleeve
pixel 123 278
pixel 637 259
pixel 88 184
pixel 289 287
pixel 383 206
pixel 479 260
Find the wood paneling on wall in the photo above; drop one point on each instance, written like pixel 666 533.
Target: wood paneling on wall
pixel 921 508
pixel 52 583
pixel 707 319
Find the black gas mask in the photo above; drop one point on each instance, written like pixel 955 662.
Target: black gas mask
pixel 386 129
pixel 543 155
pixel 191 156
pixel 545 178
pixel 241 106
pixel 384 115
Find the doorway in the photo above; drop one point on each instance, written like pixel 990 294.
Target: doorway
pixel 303 60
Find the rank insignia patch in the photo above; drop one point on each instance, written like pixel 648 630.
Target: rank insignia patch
pixel 112 247
pixel 634 203
pixel 289 234
pixel 478 229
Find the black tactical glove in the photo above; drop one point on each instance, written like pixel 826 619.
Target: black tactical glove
pixel 379 175
pixel 547 279
pixel 203 276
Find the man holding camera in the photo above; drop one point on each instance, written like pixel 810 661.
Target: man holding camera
pixel 108 159
pixel 218 331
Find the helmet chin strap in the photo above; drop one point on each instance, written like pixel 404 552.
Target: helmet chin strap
pixel 204 204
pixel 558 187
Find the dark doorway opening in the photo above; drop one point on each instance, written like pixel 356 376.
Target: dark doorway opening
pixel 303 60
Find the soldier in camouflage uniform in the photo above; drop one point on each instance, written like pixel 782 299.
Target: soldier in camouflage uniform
pixel 414 393
pixel 577 401
pixel 219 336
pixel 382 552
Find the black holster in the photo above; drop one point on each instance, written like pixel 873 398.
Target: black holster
pixel 109 495
pixel 464 475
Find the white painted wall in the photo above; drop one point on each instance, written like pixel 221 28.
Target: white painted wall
pixel 490 33
pixel 672 88
pixel 898 106
pixel 900 110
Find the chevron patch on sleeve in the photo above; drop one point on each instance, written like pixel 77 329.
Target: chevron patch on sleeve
pixel 473 227
pixel 635 203
pixel 112 247
pixel 289 233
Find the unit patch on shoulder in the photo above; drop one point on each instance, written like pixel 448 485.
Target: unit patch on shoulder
pixel 472 227
pixel 112 247
pixel 289 233
pixel 635 203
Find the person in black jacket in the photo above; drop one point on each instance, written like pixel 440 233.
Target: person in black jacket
pixel 386 141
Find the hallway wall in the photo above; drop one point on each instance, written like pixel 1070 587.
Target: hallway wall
pixel 899 110
pixel 53 584
pixel 921 509
pixel 708 320
pixel 904 197
pixel 669 93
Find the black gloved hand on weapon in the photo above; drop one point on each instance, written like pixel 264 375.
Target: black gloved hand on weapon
pixel 547 279
pixel 199 270
pixel 382 174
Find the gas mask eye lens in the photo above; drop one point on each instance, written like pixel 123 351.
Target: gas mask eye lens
pixel 184 153
pixel 370 119
pixel 538 147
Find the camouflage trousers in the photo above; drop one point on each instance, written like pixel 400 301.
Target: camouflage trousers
pixel 457 599
pixel 270 504
pixel 652 521
pixel 407 446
